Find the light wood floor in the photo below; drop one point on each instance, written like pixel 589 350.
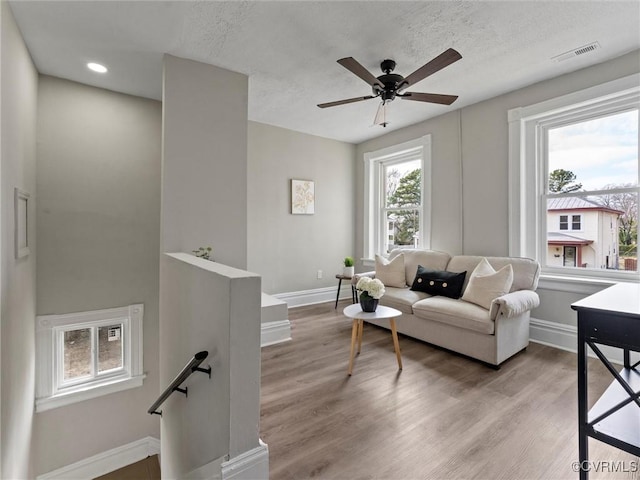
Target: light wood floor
pixel 442 417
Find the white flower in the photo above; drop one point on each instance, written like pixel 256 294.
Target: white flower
pixel 373 287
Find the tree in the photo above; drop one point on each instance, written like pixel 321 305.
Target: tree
pixel 407 194
pixel 562 181
pixel 626 202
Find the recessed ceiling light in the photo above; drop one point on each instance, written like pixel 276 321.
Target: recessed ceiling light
pixel 96 67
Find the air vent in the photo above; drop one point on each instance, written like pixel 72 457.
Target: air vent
pixel 576 52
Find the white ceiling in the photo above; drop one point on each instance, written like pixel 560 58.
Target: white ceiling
pixel 289 49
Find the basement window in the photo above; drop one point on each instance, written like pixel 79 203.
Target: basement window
pixel 88 354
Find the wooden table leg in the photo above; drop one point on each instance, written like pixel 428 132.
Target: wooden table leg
pixel 354 335
pixel 396 345
pixel 360 328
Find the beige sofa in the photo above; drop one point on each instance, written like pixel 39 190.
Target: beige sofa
pixel 492 335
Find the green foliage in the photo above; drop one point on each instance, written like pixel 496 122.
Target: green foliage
pixel 348 262
pixel 204 252
pixel 563 181
pixel 408 191
pixel 407 194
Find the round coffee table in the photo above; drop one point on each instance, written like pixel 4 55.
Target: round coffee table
pixel 355 312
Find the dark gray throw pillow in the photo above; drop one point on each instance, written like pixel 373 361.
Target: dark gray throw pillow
pixel 438 282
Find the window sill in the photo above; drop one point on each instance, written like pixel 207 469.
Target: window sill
pixel 581 285
pixel 87 393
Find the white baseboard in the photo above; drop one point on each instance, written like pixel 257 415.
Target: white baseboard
pixel 565 337
pixel 106 462
pixel 317 295
pixel 251 465
pixel 272 333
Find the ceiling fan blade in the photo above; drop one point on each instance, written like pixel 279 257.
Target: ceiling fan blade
pixel 445 58
pixel 354 67
pixel 430 97
pixel 343 102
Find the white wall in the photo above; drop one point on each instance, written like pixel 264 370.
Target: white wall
pixel 204 189
pixel 209 306
pixel 478 171
pixel 98 225
pixel 18 162
pixel 288 250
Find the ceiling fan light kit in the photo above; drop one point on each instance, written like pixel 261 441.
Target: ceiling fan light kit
pixel 391 85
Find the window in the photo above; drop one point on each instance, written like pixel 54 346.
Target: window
pixel 397 213
pixel 84 355
pixel 574 182
pixel 576 222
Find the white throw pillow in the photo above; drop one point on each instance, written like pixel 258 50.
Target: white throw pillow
pixel 391 273
pixel 485 284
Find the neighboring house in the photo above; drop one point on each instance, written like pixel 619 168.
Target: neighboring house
pixel 581 233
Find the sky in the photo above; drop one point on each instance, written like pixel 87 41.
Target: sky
pixel 601 151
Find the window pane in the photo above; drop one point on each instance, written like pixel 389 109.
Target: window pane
pixel 404 229
pixel 603 236
pixel 594 154
pixel 77 353
pixel 109 347
pixel 402 184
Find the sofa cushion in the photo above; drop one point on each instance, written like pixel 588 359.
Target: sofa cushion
pixel 391 272
pixel 455 312
pixel 525 270
pixel 401 298
pixel 485 284
pixel 430 259
pixel 438 282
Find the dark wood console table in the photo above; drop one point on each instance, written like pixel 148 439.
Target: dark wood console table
pixel 610 317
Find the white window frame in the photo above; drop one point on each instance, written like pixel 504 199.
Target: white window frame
pixel 570 222
pixel 528 182
pixel 52 390
pixel 374 234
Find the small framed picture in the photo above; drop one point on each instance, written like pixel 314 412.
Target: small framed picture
pixel 21 212
pixel 303 197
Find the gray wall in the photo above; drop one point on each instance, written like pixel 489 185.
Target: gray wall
pixel 479 171
pixel 204 169
pixel 17 169
pixel 288 250
pixel 98 223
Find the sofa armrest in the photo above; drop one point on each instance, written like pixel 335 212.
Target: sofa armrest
pixel 358 276
pixel 514 303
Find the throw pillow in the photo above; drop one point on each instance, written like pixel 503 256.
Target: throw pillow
pixel 391 273
pixel 485 284
pixel 436 282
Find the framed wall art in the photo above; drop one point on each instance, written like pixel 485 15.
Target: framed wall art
pixel 21 213
pixel 303 197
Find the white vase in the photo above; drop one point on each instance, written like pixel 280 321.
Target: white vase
pixel 348 271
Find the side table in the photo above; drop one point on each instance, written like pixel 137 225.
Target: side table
pixel 354 296
pixel 358 316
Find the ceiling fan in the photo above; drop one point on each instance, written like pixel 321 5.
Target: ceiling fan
pixel 391 85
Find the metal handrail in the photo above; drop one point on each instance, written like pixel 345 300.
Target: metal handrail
pixel 189 368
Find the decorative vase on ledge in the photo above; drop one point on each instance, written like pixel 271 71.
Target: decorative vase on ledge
pixel 368 303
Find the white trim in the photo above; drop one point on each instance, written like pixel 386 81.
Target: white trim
pixel 527 180
pixel 106 462
pixel 250 465
pixel 55 401
pixel 403 151
pixel 317 295
pixel 49 394
pixel 275 332
pixel 565 337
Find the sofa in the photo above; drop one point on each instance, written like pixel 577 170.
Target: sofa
pixel 491 333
